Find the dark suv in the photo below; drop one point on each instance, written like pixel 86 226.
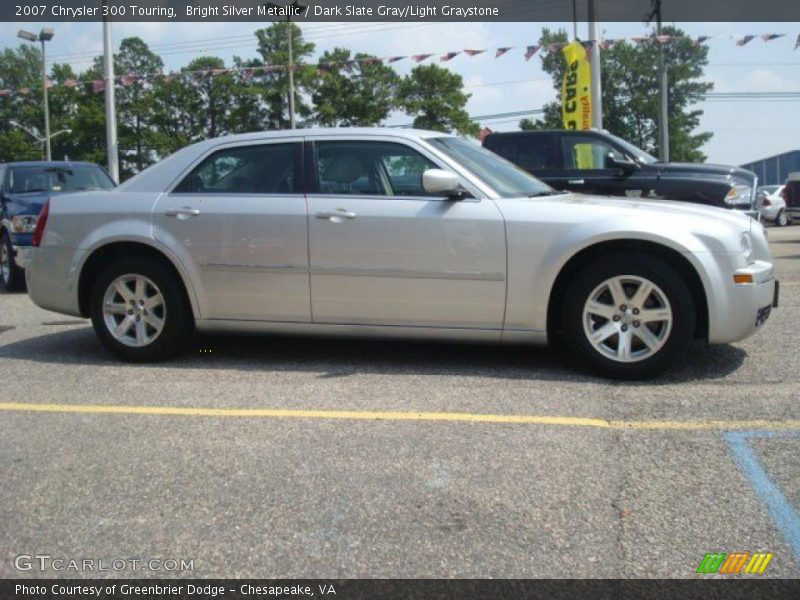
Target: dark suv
pixel 596 162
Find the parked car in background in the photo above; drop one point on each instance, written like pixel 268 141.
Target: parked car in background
pixel 791 195
pixel 394 233
pixel 771 204
pixel 596 162
pixel 24 187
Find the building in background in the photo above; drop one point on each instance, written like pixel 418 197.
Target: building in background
pixel 775 169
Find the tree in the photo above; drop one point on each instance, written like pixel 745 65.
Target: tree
pixel 21 69
pixel 630 92
pixel 137 68
pixel 435 98
pixel 353 92
pixel 273 46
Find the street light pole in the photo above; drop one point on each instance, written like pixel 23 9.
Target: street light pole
pixel 45 35
pixel 48 153
pixel 111 117
pixel 663 121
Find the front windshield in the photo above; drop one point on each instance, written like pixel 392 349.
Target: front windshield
pixel 27 180
pixel 638 154
pixel 505 178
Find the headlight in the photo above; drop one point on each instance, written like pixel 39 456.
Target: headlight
pixel 739 194
pixel 24 223
pixel 746 243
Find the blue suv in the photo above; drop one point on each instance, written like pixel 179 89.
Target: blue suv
pixel 24 188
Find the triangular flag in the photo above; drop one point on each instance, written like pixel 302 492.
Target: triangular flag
pixel 4 92
pixel 98 85
pixel 588 46
pixel 606 44
pixel 349 64
pixel 530 51
pixel 127 80
pixel 448 56
pixel 70 83
pixel 701 38
pixel 797 42
pixel 395 58
pixel 768 37
pixel 420 57
pixel 246 73
pixel 663 39
pixel 370 60
pixel 640 39
pixel 470 52
pixel 501 51
pixel 745 40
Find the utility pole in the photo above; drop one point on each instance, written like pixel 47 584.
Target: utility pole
pixel 594 64
pixel 45 35
pixel 111 117
pixel 574 19
pixel 663 121
pixel 291 73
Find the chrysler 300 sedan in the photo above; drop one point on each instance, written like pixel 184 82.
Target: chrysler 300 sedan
pixel 395 233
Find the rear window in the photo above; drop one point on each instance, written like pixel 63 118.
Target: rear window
pixel 27 180
pixel 531 152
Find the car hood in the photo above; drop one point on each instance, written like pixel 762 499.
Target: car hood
pixel 703 169
pixel 656 208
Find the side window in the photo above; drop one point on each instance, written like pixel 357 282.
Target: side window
pixel 267 169
pixel 585 152
pixel 370 168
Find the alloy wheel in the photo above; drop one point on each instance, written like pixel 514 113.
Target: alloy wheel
pixel 627 318
pixel 134 310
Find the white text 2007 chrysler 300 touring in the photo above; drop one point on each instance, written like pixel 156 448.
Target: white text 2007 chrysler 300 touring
pixel 394 233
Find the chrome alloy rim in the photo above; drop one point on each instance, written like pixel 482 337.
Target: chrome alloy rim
pixel 5 263
pixel 134 310
pixel 627 318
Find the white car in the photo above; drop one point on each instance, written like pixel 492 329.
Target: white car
pixel 395 233
pixel 771 204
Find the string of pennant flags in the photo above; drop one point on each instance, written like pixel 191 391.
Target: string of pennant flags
pixel 246 73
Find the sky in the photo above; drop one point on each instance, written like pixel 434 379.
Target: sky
pixel 743 130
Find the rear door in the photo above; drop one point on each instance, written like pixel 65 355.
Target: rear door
pixel 239 218
pixel 385 252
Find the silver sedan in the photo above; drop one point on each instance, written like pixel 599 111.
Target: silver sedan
pixel 395 233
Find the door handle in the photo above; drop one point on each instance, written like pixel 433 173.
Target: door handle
pixel 335 216
pixel 575 181
pixel 182 213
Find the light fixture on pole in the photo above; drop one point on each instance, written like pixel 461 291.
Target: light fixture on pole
pixel 296 8
pixel 35 135
pixel 45 35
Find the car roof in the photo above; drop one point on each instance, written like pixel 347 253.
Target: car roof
pixel 321 131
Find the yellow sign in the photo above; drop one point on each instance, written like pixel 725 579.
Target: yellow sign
pixel 576 101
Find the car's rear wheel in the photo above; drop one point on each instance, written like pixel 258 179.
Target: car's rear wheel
pixel 628 317
pixel 782 220
pixel 12 278
pixel 139 310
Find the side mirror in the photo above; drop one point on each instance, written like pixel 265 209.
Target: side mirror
pixel 615 161
pixel 438 181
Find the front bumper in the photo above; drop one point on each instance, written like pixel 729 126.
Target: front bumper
pixel 747 306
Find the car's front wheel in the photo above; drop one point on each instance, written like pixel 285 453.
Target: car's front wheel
pixel 12 278
pixel 628 317
pixel 139 310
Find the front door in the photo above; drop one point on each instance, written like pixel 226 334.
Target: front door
pixel 239 219
pixel 384 252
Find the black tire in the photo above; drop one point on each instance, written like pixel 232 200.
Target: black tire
pixel 781 220
pixel 178 319
pixel 656 271
pixel 12 279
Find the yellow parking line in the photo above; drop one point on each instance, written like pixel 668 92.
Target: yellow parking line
pixel 366 415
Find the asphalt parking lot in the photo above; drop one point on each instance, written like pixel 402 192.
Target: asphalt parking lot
pixel 278 457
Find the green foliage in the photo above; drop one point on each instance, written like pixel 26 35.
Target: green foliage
pixel 435 98
pixel 158 114
pixel 630 92
pixel 353 93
